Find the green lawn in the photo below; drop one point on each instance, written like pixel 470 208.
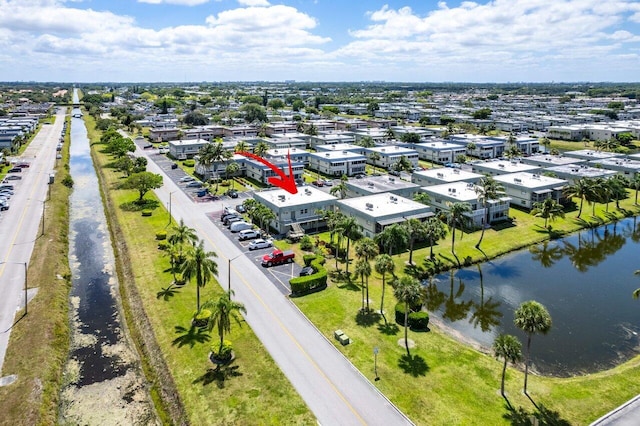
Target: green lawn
pixel 449 382
pixel 252 390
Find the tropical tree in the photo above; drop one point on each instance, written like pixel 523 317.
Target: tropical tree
pixel 422 198
pixel 402 165
pixel 487 189
pixel 231 169
pixel 581 189
pixel 617 189
pixel 546 143
pixel 352 231
pixel 409 291
pixel 241 146
pixel 417 231
pixel 509 348
pixel 366 142
pixel 532 318
pixel 181 236
pixel 223 311
pixel 199 264
pixel 456 218
pixel 392 238
pixel 375 157
pixel 383 265
pixel 366 249
pixel 435 231
pixel 363 268
pixel 341 188
pixel 212 153
pixel 548 209
pixel 635 185
pixel 174 252
pixel 260 148
pixel 142 182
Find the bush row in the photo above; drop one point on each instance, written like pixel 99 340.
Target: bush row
pixel 301 286
pixel 417 320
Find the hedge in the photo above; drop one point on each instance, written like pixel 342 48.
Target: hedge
pixel 308 258
pixel 161 235
pixel 417 320
pixel 301 286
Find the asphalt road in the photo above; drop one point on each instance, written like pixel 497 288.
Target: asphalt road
pixel 335 391
pixel 21 224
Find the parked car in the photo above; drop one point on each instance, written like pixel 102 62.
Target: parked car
pixel 174 166
pixel 328 182
pixel 240 226
pixel 248 234
pixel 147 146
pixel 360 176
pixel 394 173
pixel 232 193
pixel 307 270
pixel 58 156
pixel 240 208
pixel 23 165
pixel 318 183
pixel 278 257
pixel 13 177
pixel 260 244
pixel 4 205
pixel 194 184
pixel 230 221
pixel 187 179
pixel 15 170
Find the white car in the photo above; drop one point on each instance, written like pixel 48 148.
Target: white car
pixel 187 179
pixel 260 244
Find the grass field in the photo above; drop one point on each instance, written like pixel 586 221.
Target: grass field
pixel 252 390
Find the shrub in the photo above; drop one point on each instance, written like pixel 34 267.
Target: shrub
pixel 146 213
pixel 308 258
pixel 189 163
pixel 68 181
pixel 200 319
pixel 301 286
pixel 221 354
pixel 161 235
pixel 399 309
pixel 306 243
pixel 163 245
pixel 419 320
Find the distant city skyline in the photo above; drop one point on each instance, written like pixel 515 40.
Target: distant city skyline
pixel 319 40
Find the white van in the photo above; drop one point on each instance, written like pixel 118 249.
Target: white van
pixel 240 226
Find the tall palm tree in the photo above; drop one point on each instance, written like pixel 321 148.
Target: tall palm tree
pixel 366 142
pixel 579 189
pixel 392 238
pixel 456 218
pixel 211 153
pixel 352 231
pixel 422 198
pixel 341 188
pixel 532 318
pixel 617 188
pixel 174 252
pixel 366 249
pixel 383 265
pixel 182 235
pixel 435 231
pixel 635 185
pixel 402 165
pixel 546 143
pixel 223 311
pixel 487 189
pixel 375 157
pixel 416 230
pixel 363 268
pixel 261 148
pixel 508 348
pixel 409 291
pixel 231 169
pixel 241 146
pixel 199 264
pixel 548 209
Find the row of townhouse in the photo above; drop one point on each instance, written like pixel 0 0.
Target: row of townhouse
pixel 578 132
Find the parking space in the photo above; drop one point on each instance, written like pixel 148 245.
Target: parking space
pixel 10 185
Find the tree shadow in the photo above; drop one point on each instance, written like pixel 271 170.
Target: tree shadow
pixel 415 271
pixel 367 318
pixel 346 282
pixel 542 416
pixel 167 293
pixel 389 329
pixel 189 336
pixel 220 375
pixel 414 365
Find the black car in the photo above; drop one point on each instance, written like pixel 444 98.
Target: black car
pixel 307 270
pixel 240 208
pixel 232 193
pixel 174 166
pixel 15 170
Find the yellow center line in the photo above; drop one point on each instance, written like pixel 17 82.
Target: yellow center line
pixel 293 339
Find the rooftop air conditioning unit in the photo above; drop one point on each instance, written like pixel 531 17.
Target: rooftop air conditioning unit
pixel 326 155
pixel 370 184
pixel 281 197
pixel 392 179
pixel 516 180
pixel 369 206
pixel 440 175
pixel 453 190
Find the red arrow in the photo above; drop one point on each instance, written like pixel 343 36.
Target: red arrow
pixel 288 183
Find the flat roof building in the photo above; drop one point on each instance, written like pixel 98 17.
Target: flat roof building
pixel 391 154
pixel 626 167
pixel 548 160
pixel 183 149
pixel 590 154
pixel 525 188
pixel 379 184
pixel 443 175
pixel 376 212
pixel 337 163
pixel 573 172
pixel 501 167
pixel 440 152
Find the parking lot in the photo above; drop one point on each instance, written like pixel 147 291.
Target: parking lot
pixel 10 185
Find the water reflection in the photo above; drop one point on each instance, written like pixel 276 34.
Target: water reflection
pixel 585 281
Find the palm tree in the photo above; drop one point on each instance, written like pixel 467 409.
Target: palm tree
pixel 416 230
pixel 384 263
pixel 261 148
pixel 422 198
pixel 617 188
pixel 392 238
pixel 402 165
pixel 546 143
pixel 547 256
pixel 510 349
pixel 341 188
pixel 231 169
pixel 223 311
pixel 579 189
pixel 375 157
pixel 635 185
pixel 435 231
pixel 366 249
pixel 471 147
pixel 487 189
pixel 366 142
pixel 241 146
pixel 532 318
pixel 363 268
pixel 389 135
pixel 456 217
pixel 351 230
pixel 486 312
pixel 548 209
pixel 182 235
pixel 409 291
pixel 211 153
pixel 198 263
pixel 174 251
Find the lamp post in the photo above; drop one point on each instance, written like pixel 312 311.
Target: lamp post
pixel 375 362
pixel 170 217
pixel 229 273
pixel 25 281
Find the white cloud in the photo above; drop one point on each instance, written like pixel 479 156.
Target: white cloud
pixel 178 2
pixel 253 2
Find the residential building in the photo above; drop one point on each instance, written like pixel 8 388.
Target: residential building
pixel 342 147
pixel 547 160
pixel 331 138
pixel 573 172
pixel 376 212
pixel 590 154
pixel 379 184
pixel 444 175
pixel 339 163
pixel 440 151
pixel 300 209
pixel 261 172
pixel 525 189
pixel 163 134
pixel 297 155
pixel 626 167
pixel 442 196
pixel 183 149
pixel 501 167
pixel 391 154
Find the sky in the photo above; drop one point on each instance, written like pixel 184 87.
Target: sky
pixel 320 40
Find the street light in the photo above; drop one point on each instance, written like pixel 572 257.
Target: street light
pixel 170 217
pixel 375 362
pixel 229 273
pixel 25 281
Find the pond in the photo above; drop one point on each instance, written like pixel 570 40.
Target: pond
pixel 585 281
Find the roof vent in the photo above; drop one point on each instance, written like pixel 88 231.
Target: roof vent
pixel 369 206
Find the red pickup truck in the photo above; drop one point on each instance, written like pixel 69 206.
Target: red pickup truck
pixel 278 257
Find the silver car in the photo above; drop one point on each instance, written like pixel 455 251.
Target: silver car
pixel 260 244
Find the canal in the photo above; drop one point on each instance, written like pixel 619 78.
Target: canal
pixel 585 281
pixel 103 370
